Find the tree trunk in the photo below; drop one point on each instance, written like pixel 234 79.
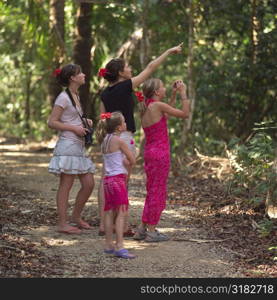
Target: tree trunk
pixel 82 51
pixel 27 103
pixel 253 113
pixel 56 45
pixel 144 56
pixel 191 81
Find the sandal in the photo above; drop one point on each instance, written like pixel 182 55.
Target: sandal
pixel 81 225
pixel 73 230
pixel 124 253
pixel 140 234
pixel 109 251
pixel 156 237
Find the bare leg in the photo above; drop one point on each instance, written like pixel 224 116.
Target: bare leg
pixel 66 182
pixel 101 201
pixel 108 226
pixel 143 226
pixel 126 222
pixel 119 228
pixel 87 185
pixel 151 228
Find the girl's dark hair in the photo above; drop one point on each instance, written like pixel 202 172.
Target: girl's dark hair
pixel 66 72
pixel 113 68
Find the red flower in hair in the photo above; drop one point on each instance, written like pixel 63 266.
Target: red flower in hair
pixel 57 72
pixel 102 72
pixel 105 116
pixel 140 96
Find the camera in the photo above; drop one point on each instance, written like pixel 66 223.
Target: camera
pixel 88 137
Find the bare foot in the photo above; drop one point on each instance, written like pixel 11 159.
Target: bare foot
pixel 82 224
pixel 69 229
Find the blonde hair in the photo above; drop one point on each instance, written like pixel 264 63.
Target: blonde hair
pixel 108 125
pixel 149 87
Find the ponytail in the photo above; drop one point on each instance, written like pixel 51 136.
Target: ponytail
pixel 101 130
pixel 142 108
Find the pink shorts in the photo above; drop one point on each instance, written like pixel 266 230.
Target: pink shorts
pixel 115 190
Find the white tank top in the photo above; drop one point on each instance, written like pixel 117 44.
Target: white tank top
pixel 113 161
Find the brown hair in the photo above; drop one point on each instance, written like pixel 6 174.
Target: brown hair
pixel 109 125
pixel 113 68
pixel 66 72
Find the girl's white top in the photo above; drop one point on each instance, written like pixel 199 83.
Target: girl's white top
pixel 113 161
pixel 69 116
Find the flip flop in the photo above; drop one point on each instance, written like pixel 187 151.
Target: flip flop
pixel 124 253
pixel 109 251
pixel 84 225
pixel 70 231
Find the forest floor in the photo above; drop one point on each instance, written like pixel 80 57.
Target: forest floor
pixel 212 233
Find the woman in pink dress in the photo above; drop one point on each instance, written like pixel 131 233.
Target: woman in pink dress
pixel 157 152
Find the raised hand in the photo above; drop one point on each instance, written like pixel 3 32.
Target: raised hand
pixel 181 86
pixel 177 49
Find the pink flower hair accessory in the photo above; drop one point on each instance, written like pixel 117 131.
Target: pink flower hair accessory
pixel 139 96
pixel 102 72
pixel 105 116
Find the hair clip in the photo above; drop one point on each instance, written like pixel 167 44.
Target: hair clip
pixel 102 72
pixel 57 72
pixel 140 96
pixel 105 116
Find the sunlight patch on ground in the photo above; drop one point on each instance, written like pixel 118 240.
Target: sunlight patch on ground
pixel 17 154
pixel 35 165
pixel 175 213
pixel 26 172
pixel 132 244
pixel 171 229
pixel 136 201
pixel 211 261
pixel 61 242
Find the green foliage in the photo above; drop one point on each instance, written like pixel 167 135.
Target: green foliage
pixel 265 227
pixel 252 162
pixel 232 91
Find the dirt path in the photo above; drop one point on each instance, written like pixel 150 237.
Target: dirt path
pixel 189 253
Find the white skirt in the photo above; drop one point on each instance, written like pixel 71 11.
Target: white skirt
pixel 70 157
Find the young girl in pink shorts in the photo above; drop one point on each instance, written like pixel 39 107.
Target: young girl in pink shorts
pixel 116 155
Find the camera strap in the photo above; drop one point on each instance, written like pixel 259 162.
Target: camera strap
pixel 83 119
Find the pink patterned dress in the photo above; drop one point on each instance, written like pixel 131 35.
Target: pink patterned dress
pixel 156 165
